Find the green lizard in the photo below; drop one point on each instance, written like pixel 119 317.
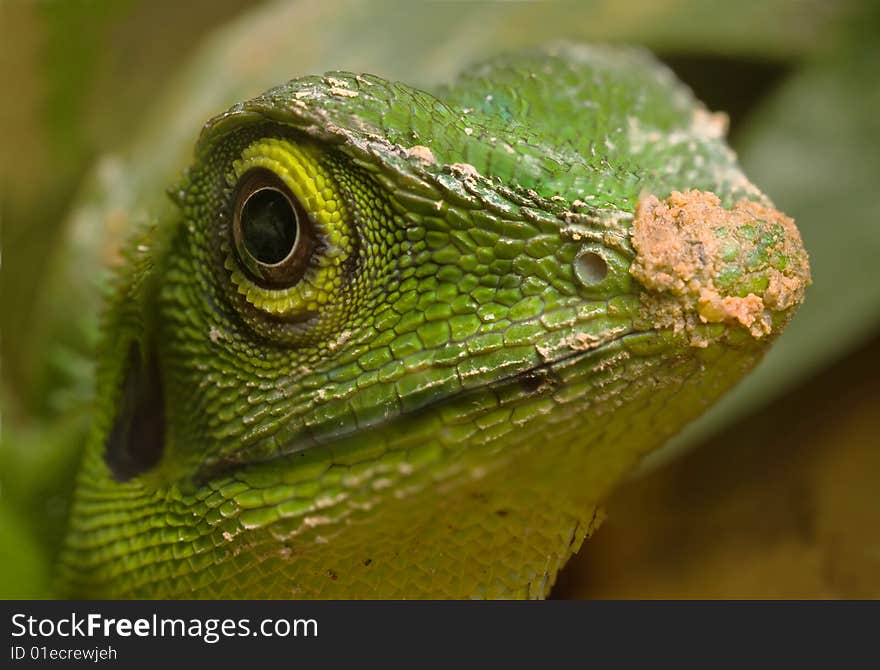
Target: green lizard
pixel 388 343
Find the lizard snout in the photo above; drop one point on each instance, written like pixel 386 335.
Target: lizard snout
pixel 702 263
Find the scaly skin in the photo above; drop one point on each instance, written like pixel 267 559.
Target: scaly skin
pixel 496 322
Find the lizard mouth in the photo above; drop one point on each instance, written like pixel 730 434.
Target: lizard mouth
pixel 533 381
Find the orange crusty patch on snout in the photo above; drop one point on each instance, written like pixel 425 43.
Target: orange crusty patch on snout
pixel 703 263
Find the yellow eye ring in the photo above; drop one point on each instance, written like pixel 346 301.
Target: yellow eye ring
pixel 304 277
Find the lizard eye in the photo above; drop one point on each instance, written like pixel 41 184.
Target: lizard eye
pixel 289 236
pixel 271 231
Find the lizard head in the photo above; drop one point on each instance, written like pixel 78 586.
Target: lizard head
pixel 400 343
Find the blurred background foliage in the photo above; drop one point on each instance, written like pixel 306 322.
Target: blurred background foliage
pixel 775 493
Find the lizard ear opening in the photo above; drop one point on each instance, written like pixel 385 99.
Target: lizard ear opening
pixel 137 438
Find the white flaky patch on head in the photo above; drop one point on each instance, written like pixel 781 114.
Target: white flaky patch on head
pixel 702 263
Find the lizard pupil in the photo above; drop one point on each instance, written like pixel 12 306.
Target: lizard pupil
pixel 271 232
pixel 269 226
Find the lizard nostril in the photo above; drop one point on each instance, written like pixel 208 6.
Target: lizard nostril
pixel 590 268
